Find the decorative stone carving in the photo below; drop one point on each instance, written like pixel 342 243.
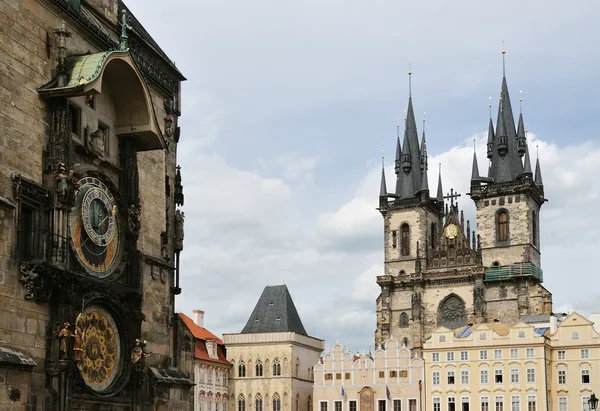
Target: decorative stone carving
pixel 64 336
pixel 178 188
pixel 97 142
pixel 134 220
pixel 66 185
pixel 179 230
pixel 138 355
pixel 478 297
pixel 452 313
pixel 35 289
pixel 416 306
pixel 78 339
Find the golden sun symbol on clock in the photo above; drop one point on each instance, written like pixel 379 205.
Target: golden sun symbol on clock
pixel 95 228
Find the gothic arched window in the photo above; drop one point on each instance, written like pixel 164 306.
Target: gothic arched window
pixel 276 368
pixel 258 369
pixel 242 403
pixel 403 320
pixel 433 236
pixel 241 369
pixel 258 402
pixel 404 240
pixel 276 402
pixel 502 225
pixel 452 313
pixel 534 228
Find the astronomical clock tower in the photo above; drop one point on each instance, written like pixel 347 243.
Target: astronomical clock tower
pixel 90 223
pixel 441 271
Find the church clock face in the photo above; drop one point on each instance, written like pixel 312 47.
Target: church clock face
pixel 451 231
pixel 95 228
pixel 101 358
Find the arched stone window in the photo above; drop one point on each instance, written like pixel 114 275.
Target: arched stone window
pixel 276 367
pixel 241 403
pixel 276 402
pixel 502 225
pixel 452 313
pixel 241 369
pixel 535 228
pixel 403 320
pixel 433 235
pixel 258 369
pixel 405 342
pixel 404 240
pixel 258 402
pixel 297 402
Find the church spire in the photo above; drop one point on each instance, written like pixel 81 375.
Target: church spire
pixel 423 151
pixel 440 190
pixel 521 139
pixel 527 161
pixel 538 172
pixel 382 187
pixel 475 169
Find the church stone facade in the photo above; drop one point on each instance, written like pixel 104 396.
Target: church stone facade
pixel 90 230
pixel 443 271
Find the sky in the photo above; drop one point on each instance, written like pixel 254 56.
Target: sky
pixel 289 105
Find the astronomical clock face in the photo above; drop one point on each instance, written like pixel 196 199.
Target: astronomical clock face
pixel 451 231
pixel 101 358
pixel 95 228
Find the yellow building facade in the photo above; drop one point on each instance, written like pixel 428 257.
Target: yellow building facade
pixel 500 367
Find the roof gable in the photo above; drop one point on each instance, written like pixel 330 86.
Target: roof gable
pixel 274 312
pixel 198 332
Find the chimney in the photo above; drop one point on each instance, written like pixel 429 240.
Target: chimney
pixel 199 318
pixel 553 323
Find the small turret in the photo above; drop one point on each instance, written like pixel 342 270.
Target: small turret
pixel 501 137
pixel 406 156
pixel 475 178
pixel 538 174
pixel 527 161
pixel 423 151
pixel 383 186
pixel 440 190
pixel 397 165
pixel 490 140
pixel 521 139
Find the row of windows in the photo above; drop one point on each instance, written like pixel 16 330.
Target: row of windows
pixel 382 405
pixel 258 403
pixel 497 403
pixel 585 376
pixel 259 369
pixel 220 378
pixel 514 353
pixel 483 354
pixel 212 406
pixel 515 376
pixel 381 374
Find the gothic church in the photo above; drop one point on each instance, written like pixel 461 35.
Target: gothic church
pixel 441 272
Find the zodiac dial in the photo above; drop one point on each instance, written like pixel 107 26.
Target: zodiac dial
pixel 95 228
pixel 101 349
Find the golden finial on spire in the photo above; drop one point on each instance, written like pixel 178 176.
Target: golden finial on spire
pixel 503 60
pixel 474 142
pixel 521 101
pixel 409 81
pixel 490 105
pixel 405 115
pixel 503 51
pixel 382 158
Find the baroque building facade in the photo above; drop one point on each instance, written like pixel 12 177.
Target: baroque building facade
pixel 211 368
pixel 391 378
pixel 273 357
pixel 497 366
pixel 89 191
pixel 439 271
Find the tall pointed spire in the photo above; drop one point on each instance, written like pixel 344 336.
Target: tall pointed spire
pixel 475 169
pixel 383 186
pixel 398 162
pixel 521 139
pixel 440 190
pixel 412 137
pixel 538 172
pixel 527 161
pixel 423 151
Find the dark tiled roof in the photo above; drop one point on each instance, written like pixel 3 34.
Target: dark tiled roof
pixel 15 358
pixel 274 312
pixel 171 376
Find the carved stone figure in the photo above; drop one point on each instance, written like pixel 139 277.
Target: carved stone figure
pixel 78 339
pixel 66 184
pixel 138 354
pixel 169 127
pixel 64 336
pixel 452 313
pixel 97 142
pixel 134 219
pixel 478 297
pixel 179 230
pixel 416 305
pixel 33 283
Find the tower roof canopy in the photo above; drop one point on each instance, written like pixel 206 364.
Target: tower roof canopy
pixel 274 312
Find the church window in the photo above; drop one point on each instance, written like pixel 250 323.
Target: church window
pixel 297 367
pixel 259 369
pixel 403 320
pixel 258 402
pixel 241 403
pixel 433 235
pixel 328 376
pixel 534 228
pixel 502 226
pixel 309 403
pixel 276 402
pixel 452 313
pixel 404 239
pixel 241 369
pixel 394 239
pixel 276 368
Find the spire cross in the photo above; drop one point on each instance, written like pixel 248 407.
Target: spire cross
pixel 521 101
pixel 490 106
pixel 409 81
pixel 452 196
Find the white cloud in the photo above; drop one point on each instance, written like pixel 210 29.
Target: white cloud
pixel 297 167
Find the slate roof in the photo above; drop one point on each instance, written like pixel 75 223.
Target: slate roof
pixel 11 357
pixel 274 312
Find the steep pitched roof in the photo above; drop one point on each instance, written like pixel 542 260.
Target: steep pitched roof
pixel 200 353
pixel 274 312
pixel 198 332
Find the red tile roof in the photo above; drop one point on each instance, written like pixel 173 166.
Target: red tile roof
pixel 201 335
pixel 198 332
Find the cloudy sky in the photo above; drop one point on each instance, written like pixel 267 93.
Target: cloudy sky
pixel 288 106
